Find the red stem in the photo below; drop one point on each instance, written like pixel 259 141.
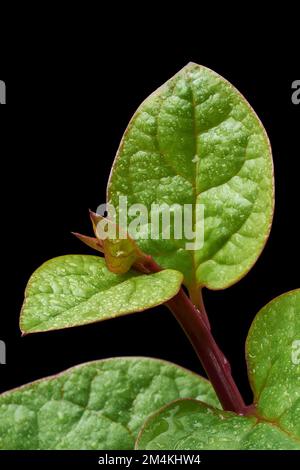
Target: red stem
pixel 194 321
pixel 197 299
pixel 213 360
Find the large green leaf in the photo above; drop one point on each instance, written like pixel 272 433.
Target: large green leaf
pixel 75 290
pixel 99 405
pixel 197 140
pixel 273 355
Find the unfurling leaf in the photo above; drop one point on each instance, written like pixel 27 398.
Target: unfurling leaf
pixel 274 374
pixel 75 289
pixel 120 250
pixel 99 405
pixel 195 141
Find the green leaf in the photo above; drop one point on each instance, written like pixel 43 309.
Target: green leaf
pixel 197 140
pixel 191 425
pixel 273 356
pixel 75 290
pixel 99 405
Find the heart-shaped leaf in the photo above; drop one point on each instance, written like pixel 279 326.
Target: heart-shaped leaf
pixel 273 356
pixel 75 290
pixel 100 405
pixel 195 141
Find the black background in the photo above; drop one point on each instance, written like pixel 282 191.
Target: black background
pixel 67 107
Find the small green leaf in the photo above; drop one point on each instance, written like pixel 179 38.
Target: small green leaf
pixel 196 140
pixel 75 290
pixel 99 405
pixel 191 425
pixel 273 356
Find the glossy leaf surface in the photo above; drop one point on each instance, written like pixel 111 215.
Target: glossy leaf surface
pixel 191 425
pixel 196 140
pixel 273 356
pixel 75 289
pixel 99 405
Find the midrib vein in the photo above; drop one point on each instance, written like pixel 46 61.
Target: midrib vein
pixel 196 153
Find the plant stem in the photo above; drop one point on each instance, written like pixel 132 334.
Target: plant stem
pixel 213 360
pixel 197 299
pixel 194 321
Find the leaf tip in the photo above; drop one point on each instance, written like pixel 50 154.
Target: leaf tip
pixel 93 215
pixel 76 234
